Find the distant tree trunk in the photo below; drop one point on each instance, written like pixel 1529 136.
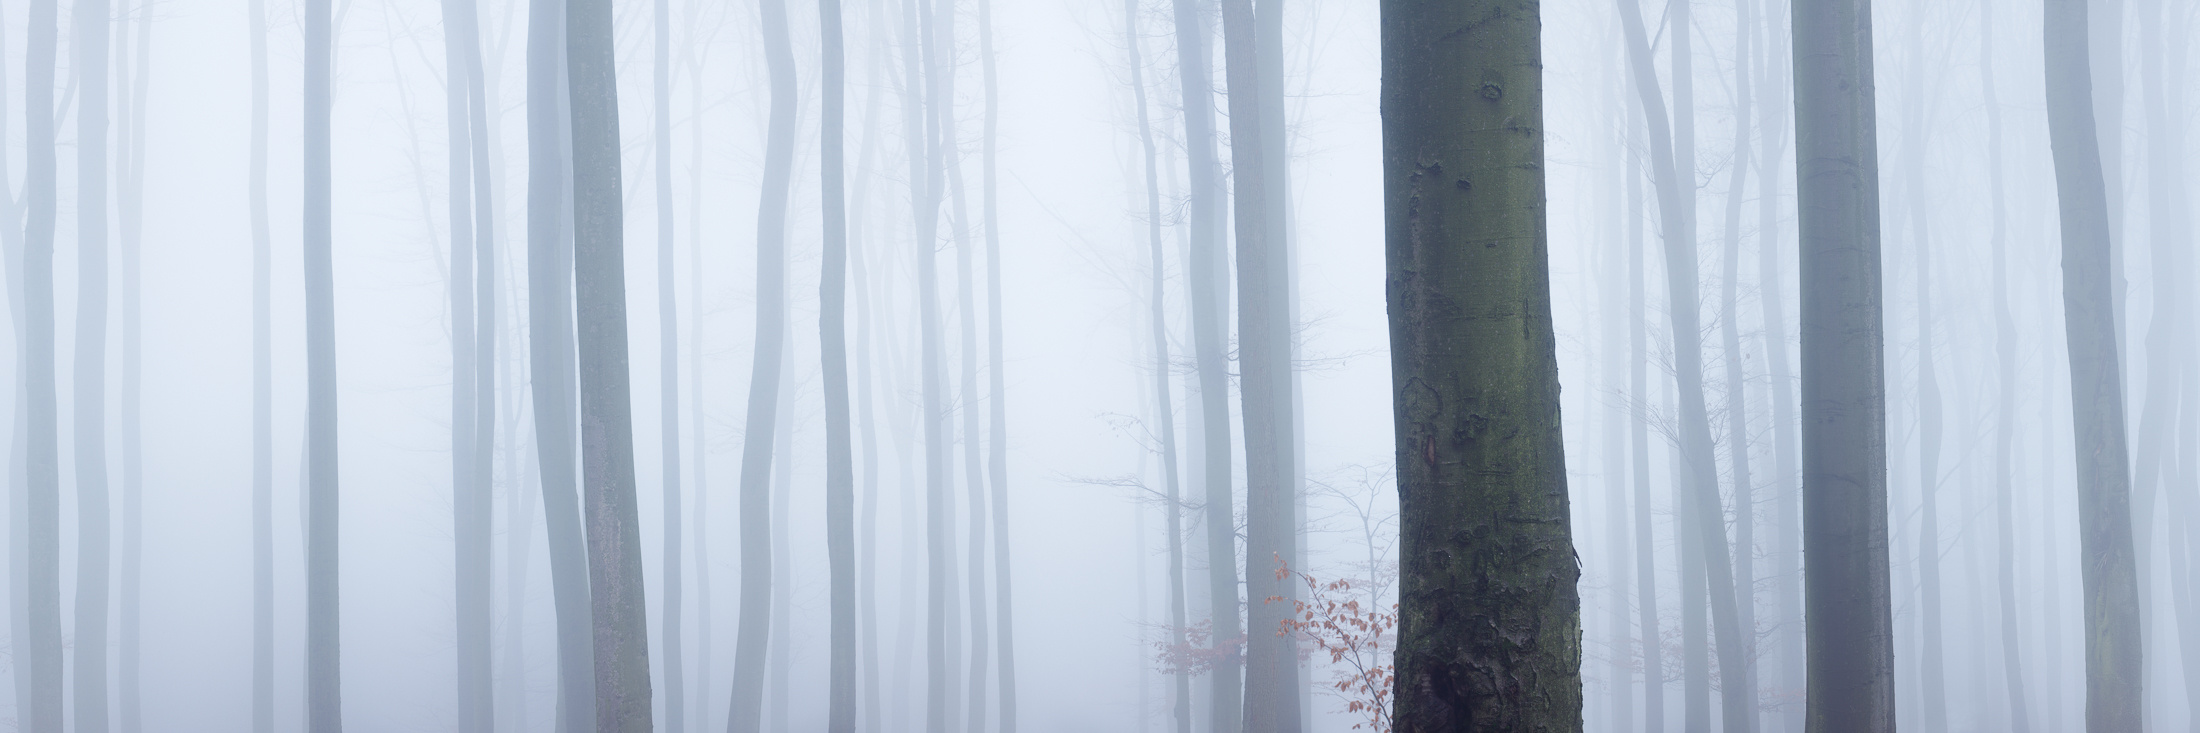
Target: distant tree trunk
pixel 867 555
pixel 1612 355
pixel 967 330
pixel 2005 358
pixel 1787 502
pixel 11 248
pixel 1849 621
pixel 2162 81
pixel 1489 637
pixel 700 433
pixel 1737 385
pixel 1181 680
pixel 1210 278
pixel 2113 666
pixel 997 465
pixel 1264 363
pixel 93 544
pixel 942 657
pixel 323 668
pixel 1699 513
pixel 754 635
pixel 470 454
pixel 551 357
pixel 617 612
pixel 1931 657
pixel 263 395
pixel 840 486
pixel 130 194
pixel 668 370
pixel 1638 442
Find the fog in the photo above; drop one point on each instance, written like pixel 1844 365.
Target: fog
pixel 1047 141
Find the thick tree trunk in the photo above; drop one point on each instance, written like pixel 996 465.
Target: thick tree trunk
pixel 2113 666
pixel 753 638
pixel 1489 637
pixel 1180 690
pixel 617 613
pixel 11 248
pixel 324 685
pixel 551 357
pixel 668 370
pixel 1849 622
pixel 89 426
pixel 1264 363
pixel 1210 337
pixel 832 337
pixel 263 395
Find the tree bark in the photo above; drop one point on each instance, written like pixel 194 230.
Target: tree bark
pixel 324 686
pixel 1490 628
pixel 832 335
pixel 1849 623
pixel 2113 661
pixel 89 426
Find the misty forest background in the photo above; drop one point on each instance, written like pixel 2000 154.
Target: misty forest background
pixel 1071 421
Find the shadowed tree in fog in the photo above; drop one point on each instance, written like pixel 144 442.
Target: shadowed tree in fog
pixel 1848 619
pixel 1210 277
pixel 668 364
pixel 1701 521
pixel 473 338
pixel 1787 553
pixel 1638 441
pixel 754 632
pixel 550 363
pixel 974 478
pixel 1932 656
pixel 1489 634
pixel 833 342
pixel 2112 659
pixel 2005 362
pixel 263 395
pixel 996 370
pixel 130 202
pixel 93 547
pixel 1180 678
pixel 1264 363
pixel 41 713
pixel 1730 338
pixel 323 668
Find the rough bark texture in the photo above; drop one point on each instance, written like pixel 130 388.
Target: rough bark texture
pixel 2110 575
pixel 1489 637
pixel 1849 624
pixel 618 615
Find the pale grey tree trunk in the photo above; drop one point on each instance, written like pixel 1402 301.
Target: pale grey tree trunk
pixel 11 248
pixel 1849 621
pixel 130 169
pixel 1209 280
pixel 778 660
pixel 2113 637
pixel 1932 662
pixel 967 391
pixel 1787 555
pixel 473 416
pixel 94 544
pixel 618 615
pixel 1638 439
pixel 668 369
pixel 840 486
pixel 941 710
pixel 997 397
pixel 867 554
pixel 2105 56
pixel 323 668
pixel 263 396
pixel 754 634
pixel 1698 508
pixel 1181 680
pixel 1737 385
pixel 1612 356
pixel 2005 359
pixel 700 435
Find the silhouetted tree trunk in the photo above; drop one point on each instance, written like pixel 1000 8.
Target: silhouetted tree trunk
pixel 668 368
pixel 324 684
pixel 1489 635
pixel 2105 55
pixel 771 322
pixel 1210 280
pixel 551 357
pixel 263 395
pixel 1849 621
pixel 89 425
pixel 1181 680
pixel 832 336
pixel 1697 502
pixel 1264 364
pixel 2113 668
pixel 941 653
pixel 2005 358
pixel 618 614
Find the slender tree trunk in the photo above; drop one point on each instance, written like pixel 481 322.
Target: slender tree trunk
pixel 700 432
pixel 551 345
pixel 940 646
pixel 93 542
pixel 1932 664
pixel 469 492
pixel 1699 514
pixel 2005 358
pixel 1848 618
pixel 771 322
pixel 778 659
pixel 1737 385
pixel 2113 663
pixel 967 329
pixel 668 371
pixel 11 247
pixel 1210 336
pixel 1180 681
pixel 324 686
pixel 1787 523
pixel 1612 356
pixel 996 371
pixel 832 337
pixel 130 194
pixel 263 395
pixel 1638 442
pixel 2105 55
pixel 1264 363
pixel 618 615
pixel 1489 635
pixel 866 562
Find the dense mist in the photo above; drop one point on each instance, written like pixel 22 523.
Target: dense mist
pixel 1197 366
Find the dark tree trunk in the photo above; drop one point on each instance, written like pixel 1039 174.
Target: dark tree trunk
pixel 1849 622
pixel 1489 637
pixel 324 684
pixel 832 337
pixel 2113 667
